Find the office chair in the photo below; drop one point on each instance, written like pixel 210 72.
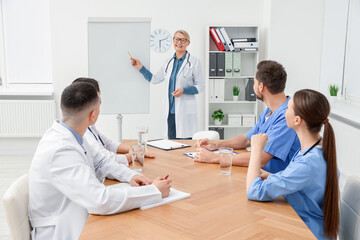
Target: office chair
pixel 211 135
pixel 350 210
pixel 16 200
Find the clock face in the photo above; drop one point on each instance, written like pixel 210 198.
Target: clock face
pixel 160 40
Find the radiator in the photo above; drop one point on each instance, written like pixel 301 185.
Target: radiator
pixel 26 118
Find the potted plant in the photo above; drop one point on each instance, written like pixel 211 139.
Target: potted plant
pixel 333 89
pixel 236 91
pixel 218 116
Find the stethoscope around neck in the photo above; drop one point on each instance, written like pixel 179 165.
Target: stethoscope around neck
pixel 187 61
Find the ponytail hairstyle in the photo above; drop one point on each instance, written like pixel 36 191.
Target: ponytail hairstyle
pixel 314 109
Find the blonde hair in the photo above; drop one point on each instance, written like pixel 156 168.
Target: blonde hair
pixel 184 33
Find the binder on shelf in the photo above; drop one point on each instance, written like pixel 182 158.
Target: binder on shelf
pixel 221 90
pixel 228 64
pixel 246 49
pixel 236 64
pixel 216 39
pixel 211 90
pixel 220 72
pixel 213 65
pixel 246 44
pixel 227 39
pixel 216 90
pixel 249 90
pixel 222 39
pixel 243 40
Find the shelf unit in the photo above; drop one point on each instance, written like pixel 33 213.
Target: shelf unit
pixel 249 60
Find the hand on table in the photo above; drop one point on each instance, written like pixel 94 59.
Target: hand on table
pixel 149 155
pixel 205 143
pixel 140 180
pixel 205 156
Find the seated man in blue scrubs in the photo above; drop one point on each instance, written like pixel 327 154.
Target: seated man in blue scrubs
pixel 269 85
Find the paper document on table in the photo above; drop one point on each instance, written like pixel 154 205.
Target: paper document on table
pixel 174 195
pixel 193 154
pixel 165 144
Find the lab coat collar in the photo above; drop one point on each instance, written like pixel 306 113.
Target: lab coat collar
pixel 79 138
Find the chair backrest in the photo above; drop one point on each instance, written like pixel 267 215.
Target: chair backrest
pixel 212 135
pixel 350 210
pixel 16 200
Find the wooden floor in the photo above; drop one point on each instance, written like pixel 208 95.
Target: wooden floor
pixel 11 167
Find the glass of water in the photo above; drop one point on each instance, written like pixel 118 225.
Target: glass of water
pixel 226 155
pixel 138 153
pixel 142 136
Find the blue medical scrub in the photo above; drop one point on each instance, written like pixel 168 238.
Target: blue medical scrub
pixel 302 183
pixel 283 141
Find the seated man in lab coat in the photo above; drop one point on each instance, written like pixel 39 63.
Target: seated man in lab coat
pixel 103 144
pixel 64 185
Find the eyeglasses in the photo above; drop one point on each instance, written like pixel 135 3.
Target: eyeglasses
pixel 182 40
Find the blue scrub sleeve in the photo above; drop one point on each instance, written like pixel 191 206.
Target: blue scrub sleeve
pixel 281 139
pixel 146 73
pixel 297 176
pixel 192 90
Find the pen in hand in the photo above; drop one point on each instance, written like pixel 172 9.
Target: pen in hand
pixel 166 176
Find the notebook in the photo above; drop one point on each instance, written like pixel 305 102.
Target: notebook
pixel 174 195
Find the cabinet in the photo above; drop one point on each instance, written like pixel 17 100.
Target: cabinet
pixel 226 69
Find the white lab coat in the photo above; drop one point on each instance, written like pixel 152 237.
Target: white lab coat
pixel 190 74
pixel 110 148
pixel 63 187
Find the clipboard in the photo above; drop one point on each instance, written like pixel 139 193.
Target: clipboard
pixel 166 145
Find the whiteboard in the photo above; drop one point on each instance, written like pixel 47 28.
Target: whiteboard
pixel 123 88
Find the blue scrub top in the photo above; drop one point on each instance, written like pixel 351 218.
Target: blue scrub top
pixel 283 141
pixel 302 183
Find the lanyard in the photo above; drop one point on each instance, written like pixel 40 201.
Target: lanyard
pixel 96 137
pixel 312 147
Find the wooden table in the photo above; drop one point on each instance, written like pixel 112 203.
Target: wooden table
pixel 217 209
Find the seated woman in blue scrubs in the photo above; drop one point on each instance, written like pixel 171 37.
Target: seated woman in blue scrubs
pixel 310 182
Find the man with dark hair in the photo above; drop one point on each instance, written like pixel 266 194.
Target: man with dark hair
pixel 101 143
pixel 65 174
pixel 269 85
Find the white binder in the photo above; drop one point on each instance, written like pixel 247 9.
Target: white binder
pixel 222 39
pixel 227 39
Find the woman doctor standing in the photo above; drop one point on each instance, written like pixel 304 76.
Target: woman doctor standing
pixel 182 73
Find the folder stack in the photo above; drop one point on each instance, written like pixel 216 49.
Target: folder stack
pixel 245 44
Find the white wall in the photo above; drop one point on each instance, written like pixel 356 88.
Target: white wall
pixel 295 40
pixel 69 38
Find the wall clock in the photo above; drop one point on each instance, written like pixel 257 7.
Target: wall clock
pixel 160 40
